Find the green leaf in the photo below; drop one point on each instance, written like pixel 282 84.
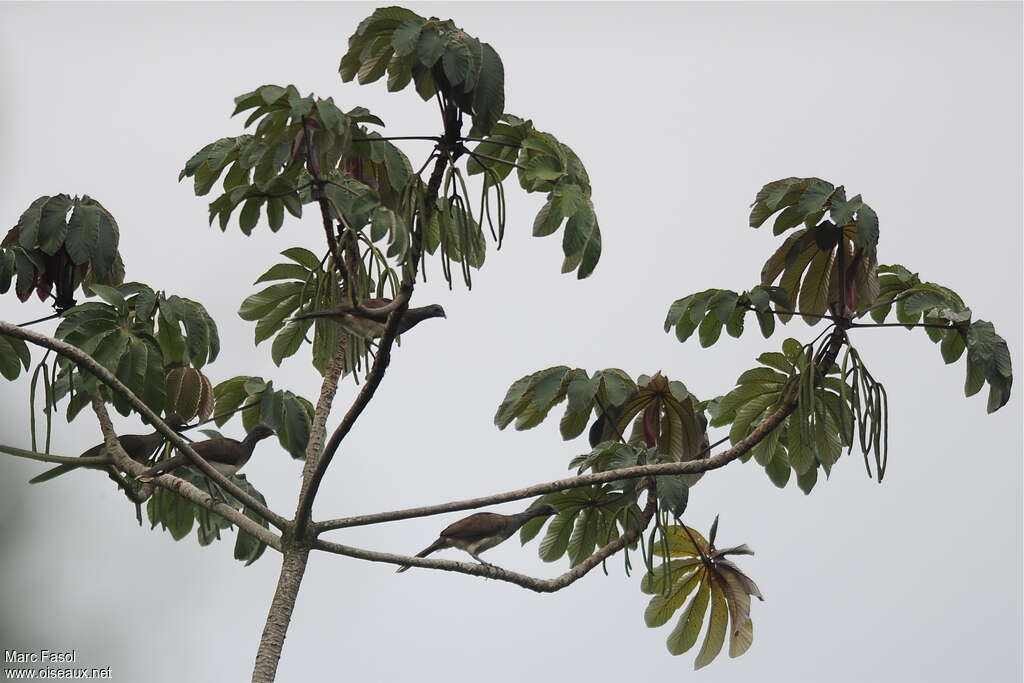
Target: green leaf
pixel 263 302
pixel 556 540
pixel 28 224
pixel 53 227
pixel 430 46
pixel 661 607
pixel 684 635
pixel 14 355
pixel 112 296
pixel 288 341
pixel 405 37
pixel 710 331
pixel 303 257
pixel 718 622
pixel 489 93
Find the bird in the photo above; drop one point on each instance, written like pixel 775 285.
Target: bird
pixel 482 531
pixel 367 327
pixel 226 455
pixel 138 447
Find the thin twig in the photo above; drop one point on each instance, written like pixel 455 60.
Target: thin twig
pixel 478 156
pixel 751 307
pixel 398 137
pixel 934 325
pixel 492 142
pixel 42 320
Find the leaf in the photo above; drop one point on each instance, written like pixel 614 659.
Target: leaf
pixel 14 355
pixel 556 540
pixel 288 341
pixel 814 292
pixel 710 331
pixel 53 227
pixel 405 36
pixel 718 622
pixel 679 543
pixel 684 635
pixel 489 93
pixel 430 46
pixel 661 607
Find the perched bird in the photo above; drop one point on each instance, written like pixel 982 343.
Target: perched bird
pixel 226 455
pixel 482 531
pixel 370 328
pixel 138 447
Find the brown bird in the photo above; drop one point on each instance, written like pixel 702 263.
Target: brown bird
pixel 138 447
pixel 226 455
pixel 370 328
pixel 482 531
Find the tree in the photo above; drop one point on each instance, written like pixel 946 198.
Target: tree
pixel 670 421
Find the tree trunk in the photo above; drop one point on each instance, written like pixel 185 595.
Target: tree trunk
pixel 293 566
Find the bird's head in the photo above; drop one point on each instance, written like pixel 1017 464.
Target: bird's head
pixel 547 510
pixel 175 421
pixel 433 311
pixel 260 432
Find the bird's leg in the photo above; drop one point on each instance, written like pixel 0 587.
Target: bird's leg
pixel 216 491
pixel 481 560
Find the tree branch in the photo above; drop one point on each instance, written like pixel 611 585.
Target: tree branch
pixel 398 137
pixel 383 359
pixel 751 307
pixel 58 459
pixel 496 160
pixel 89 363
pixel 179 486
pixel 689 467
pixel 492 572
pixel 492 142
pixel 908 325
pixel 373 380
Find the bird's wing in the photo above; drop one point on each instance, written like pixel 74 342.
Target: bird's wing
pixel 480 525
pixel 219 449
pixel 379 302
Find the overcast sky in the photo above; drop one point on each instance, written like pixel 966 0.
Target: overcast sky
pixel 681 112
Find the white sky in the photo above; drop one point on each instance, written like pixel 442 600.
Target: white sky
pixel 680 112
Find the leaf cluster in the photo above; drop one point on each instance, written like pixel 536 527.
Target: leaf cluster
pixel 178 516
pixel 712 309
pixel 665 424
pixel 698 568
pixel 61 243
pixel 812 437
pixel 138 335
pixel 436 56
pixel 914 301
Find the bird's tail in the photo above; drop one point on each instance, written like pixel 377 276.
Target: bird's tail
pixel 52 473
pixel 161 467
pixel 433 547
